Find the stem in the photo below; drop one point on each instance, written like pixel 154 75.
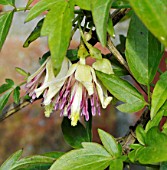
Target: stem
pixel 13 108
pixel 149 96
pixel 122 61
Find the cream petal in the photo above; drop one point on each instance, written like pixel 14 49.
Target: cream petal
pixel 83 75
pixel 102 92
pixel 57 83
pixel 103 65
pixel 75 107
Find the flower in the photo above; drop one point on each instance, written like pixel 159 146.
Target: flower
pixel 70 90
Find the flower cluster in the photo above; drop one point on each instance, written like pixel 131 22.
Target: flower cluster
pixel 71 89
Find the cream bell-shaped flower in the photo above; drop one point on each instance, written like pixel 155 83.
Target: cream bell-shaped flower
pixel 44 82
pixel 70 90
pixel 82 84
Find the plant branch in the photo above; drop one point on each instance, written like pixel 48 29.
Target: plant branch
pixel 122 61
pixel 13 108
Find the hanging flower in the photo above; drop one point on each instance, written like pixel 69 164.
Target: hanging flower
pixel 70 90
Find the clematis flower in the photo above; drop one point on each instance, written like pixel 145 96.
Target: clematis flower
pixel 41 81
pixel 70 90
pixel 82 84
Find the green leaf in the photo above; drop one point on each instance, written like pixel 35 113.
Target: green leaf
pixel 4 99
pixel 54 154
pixel 16 95
pixel 92 156
pixel 143 52
pixel 140 134
pixel 121 4
pixel 159 95
pixel 155 149
pixel 4 87
pixel 28 4
pixel 57 26
pixel 109 143
pixel 30 162
pixel 74 135
pixel 163 166
pixel 100 12
pixel 34 34
pixel 116 164
pixel 110 28
pixel 40 7
pixel 22 72
pixel 5 23
pixel 7 2
pixel 11 160
pixel 86 4
pixel 155 21
pixel 155 121
pixel 72 54
pixel 123 91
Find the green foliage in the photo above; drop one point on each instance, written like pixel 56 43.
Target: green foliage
pixel 100 11
pixel 140 60
pixel 154 16
pixel 86 4
pixel 143 52
pixel 7 2
pixel 5 23
pixel 154 148
pixel 62 25
pixel 159 95
pixel 11 160
pixel 73 135
pixel 123 91
pixel 99 157
pixel 121 4
pixel 34 34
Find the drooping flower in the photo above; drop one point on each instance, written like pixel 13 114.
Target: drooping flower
pixel 71 89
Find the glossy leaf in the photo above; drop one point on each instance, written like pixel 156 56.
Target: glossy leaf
pixel 92 156
pixel 7 2
pixel 121 4
pixel 155 149
pixel 140 134
pixel 4 99
pixel 54 154
pixel 143 52
pixel 100 11
pixel 4 87
pixel 159 95
pixel 74 135
pixel 116 164
pixel 34 34
pixel 11 160
pixel 109 143
pixel 40 7
pixel 86 4
pixel 72 54
pixel 163 166
pixel 123 91
pixel 30 162
pixel 155 21
pixel 5 23
pixel 16 95
pixel 57 26
pixel 110 28
pixel 155 121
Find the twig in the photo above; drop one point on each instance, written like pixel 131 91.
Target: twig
pixel 13 108
pixel 122 61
